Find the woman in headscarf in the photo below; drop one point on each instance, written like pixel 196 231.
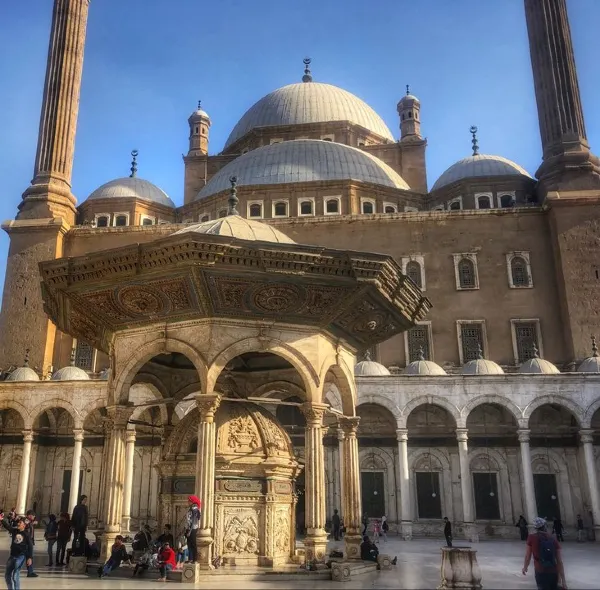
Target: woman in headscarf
pixel 193 523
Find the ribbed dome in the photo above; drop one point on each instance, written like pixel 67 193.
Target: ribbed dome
pixel 308 102
pixel 479 165
pixel 369 368
pixel 132 187
pixel 23 374
pixel 538 366
pixel 240 228
pixel 70 374
pixel 592 363
pixel 482 366
pixel 423 367
pixel 303 160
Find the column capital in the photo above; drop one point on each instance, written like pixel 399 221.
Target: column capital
pixel 118 416
pixel 349 424
pixel 313 412
pixel 130 435
pixel 208 404
pixel 586 435
pixel 28 435
pixel 340 435
pixel 402 434
pixel 524 435
pixel 78 434
pixel 462 434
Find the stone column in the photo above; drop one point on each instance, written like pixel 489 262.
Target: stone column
pixel 587 441
pixel 114 482
pixel 128 489
pixel 314 478
pixel 24 473
pixel 207 404
pixel 530 505
pixel 351 492
pixel 75 469
pixel 341 484
pixel 403 475
pixel 465 486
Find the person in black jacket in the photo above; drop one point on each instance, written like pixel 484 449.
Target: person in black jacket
pixel 368 550
pixel 79 523
pixel 21 551
pixel 30 523
pixel 448 531
pixel 118 554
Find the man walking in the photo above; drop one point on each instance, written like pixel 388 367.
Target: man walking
pixel 580 529
pixel 79 522
pixel 30 522
pixel 336 522
pixel 448 531
pixel 547 558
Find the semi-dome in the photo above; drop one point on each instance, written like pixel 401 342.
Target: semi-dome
pixel 132 187
pixel 479 165
pixel 423 367
pixel 592 363
pixel 303 160
pixel 23 374
pixel 369 368
pixel 308 102
pixel 482 366
pixel 536 365
pixel 240 228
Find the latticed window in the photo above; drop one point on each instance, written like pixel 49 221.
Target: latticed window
pixel 306 208
pixel 84 356
pixel 413 271
pixel 483 202
pixel 102 221
pixel 518 270
pixel 281 209
pixel 466 274
pixel 526 337
pixel 418 339
pixel 255 210
pixel 471 336
pixel 368 208
pixel 332 206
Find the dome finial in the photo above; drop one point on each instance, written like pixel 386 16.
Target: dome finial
pixel 367 355
pixel 26 361
pixel 407 90
pixel 134 155
pixel 307 75
pixel 72 363
pixel 479 351
pixel 535 351
pixel 473 130
pixel 421 353
pixel 199 105
pixel 594 347
pixel 233 199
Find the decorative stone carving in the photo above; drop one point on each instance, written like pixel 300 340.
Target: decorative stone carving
pixel 240 532
pixel 237 485
pixel 207 406
pixel 277 298
pixel 282 531
pixel 484 463
pixel 139 300
pixel 242 435
pixel 427 462
pixel 460 569
pixel 313 412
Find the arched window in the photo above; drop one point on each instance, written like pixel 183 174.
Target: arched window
pixel 455 206
pixel 102 221
pixel 223 213
pixel 280 209
pixel 413 272
pixel 121 220
pixel 518 270
pixel 306 208
pixel 147 221
pixel 332 206
pixel 196 131
pixel 390 209
pixel 507 201
pixel 483 202
pixel 255 210
pixel 204 218
pixel 368 208
pixel 466 274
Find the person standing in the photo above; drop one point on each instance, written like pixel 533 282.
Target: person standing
pixel 193 523
pixel 580 529
pixel 376 530
pixel 522 526
pixel 79 522
pixel 448 531
pixel 336 522
pixel 21 551
pixel 385 527
pixel 365 521
pixel 558 529
pixel 547 558
pixel 30 523
pixel 50 535
pixel 63 537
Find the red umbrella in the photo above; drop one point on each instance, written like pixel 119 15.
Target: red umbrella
pixel 195 500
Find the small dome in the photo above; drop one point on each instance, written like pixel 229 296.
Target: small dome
pixel 199 113
pixel 369 368
pixel 592 363
pixel 479 165
pixel 132 187
pixel 240 228
pixel 536 365
pixel 303 160
pixel 23 374
pixel 308 102
pixel 482 366
pixel 70 374
pixel 423 367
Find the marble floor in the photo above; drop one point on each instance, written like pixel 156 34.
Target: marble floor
pixel 418 567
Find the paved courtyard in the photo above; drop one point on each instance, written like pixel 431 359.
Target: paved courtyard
pixel 418 567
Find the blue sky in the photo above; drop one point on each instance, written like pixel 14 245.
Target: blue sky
pixel 147 62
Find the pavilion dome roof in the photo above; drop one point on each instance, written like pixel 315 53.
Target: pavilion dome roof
pixel 369 368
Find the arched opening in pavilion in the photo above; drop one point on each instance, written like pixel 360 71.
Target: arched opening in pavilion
pixel 11 455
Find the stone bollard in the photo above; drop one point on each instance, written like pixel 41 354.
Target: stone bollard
pixel 77 565
pixel 460 569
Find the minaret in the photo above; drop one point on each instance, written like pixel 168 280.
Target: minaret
pixel 567 163
pixel 409 111
pixel 199 122
pixel 48 208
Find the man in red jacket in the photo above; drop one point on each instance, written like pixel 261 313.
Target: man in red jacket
pixel 166 561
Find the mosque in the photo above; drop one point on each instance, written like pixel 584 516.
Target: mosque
pixel 309 327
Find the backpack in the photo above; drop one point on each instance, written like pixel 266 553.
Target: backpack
pixel 547 551
pixel 385 526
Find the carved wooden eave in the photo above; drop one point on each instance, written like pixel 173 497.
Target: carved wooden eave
pixel 360 297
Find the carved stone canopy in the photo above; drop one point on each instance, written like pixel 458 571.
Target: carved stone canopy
pixel 360 297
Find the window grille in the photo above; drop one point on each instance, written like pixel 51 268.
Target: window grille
pixel 280 209
pixel 332 206
pixel 306 208
pixel 418 339
pixel 466 274
pixel 471 336
pixel 413 271
pixel 255 210
pixel 507 201
pixel 367 208
pixel 483 202
pixel 102 221
pixel 84 356
pixel 518 269
pixel 121 220
pixel 526 337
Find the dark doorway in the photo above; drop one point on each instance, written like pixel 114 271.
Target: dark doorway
pixel 66 490
pixel 300 505
pixel 373 501
pixel 485 486
pixel 546 495
pixel 429 502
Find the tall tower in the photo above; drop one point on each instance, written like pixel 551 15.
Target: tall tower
pixel 199 122
pixel 567 163
pixel 48 208
pixel 409 111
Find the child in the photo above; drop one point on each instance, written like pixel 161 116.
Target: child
pixel 21 550
pixel 118 554
pixel 385 527
pixel 166 561
pixel 182 551
pixel 50 535
pixel 376 531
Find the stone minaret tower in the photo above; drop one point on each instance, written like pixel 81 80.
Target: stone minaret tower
pixel 409 111
pixel 567 163
pixel 199 122
pixel 48 208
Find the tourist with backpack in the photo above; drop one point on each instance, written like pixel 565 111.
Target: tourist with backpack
pixel 547 559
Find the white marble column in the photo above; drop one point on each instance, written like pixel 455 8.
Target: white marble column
pixel 75 469
pixel 24 473
pixel 341 485
pixel 465 486
pixel 530 505
pixel 406 519
pixel 351 493
pixel 128 489
pixel 587 441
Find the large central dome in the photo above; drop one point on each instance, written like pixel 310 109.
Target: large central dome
pixel 308 102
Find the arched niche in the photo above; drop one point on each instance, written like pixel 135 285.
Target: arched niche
pixel 552 422
pixel 491 420
pixel 430 421
pixel 376 422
